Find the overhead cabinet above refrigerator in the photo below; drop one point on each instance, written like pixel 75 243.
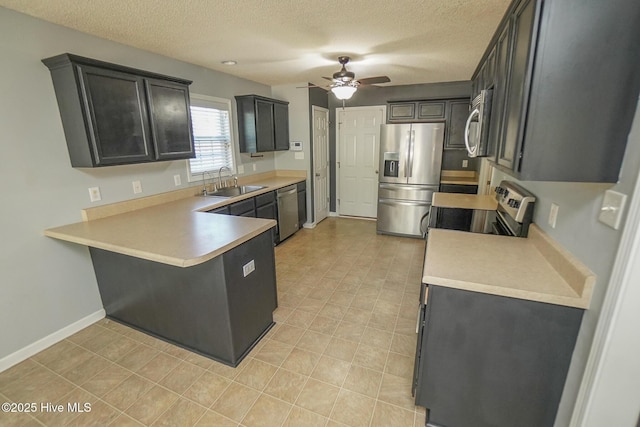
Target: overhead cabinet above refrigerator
pixel 409 174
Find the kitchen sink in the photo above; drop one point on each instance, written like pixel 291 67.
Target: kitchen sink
pixel 235 191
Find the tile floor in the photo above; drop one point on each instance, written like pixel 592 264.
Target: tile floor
pixel 341 353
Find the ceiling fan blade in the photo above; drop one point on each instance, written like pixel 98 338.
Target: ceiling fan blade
pixel 307 86
pixel 327 78
pixel 374 80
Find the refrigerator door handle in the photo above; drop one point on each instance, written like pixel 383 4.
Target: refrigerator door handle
pixel 392 202
pixel 412 139
pixel 406 156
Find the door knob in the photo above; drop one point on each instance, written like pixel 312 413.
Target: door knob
pixel 317 174
pixel 376 172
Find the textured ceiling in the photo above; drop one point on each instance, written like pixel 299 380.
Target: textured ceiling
pixel 283 41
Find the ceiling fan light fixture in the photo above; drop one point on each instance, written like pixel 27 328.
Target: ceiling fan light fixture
pixel 343 91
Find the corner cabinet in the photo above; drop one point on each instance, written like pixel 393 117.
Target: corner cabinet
pixel 263 124
pixel 563 98
pixel 115 115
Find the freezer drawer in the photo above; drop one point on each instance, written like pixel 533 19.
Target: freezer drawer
pixel 407 192
pixel 403 217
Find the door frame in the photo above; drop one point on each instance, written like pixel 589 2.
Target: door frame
pixel 337 169
pixel 315 108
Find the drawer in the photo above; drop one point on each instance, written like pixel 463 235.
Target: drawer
pixel 242 207
pixel 223 210
pixel 265 199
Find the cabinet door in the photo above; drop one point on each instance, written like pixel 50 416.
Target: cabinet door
pixel 117 114
pixel 242 207
pixel 264 126
pixel 402 112
pixel 431 110
pixel 488 70
pixel 170 119
pixel 281 126
pixel 267 211
pixel 517 88
pixel 501 80
pixel 458 113
pixel 302 208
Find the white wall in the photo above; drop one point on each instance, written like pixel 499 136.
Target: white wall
pixel 595 244
pixel 47 284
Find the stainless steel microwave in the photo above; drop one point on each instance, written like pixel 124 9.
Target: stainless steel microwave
pixel 476 133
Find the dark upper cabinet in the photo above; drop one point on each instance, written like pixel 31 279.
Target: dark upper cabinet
pixel 517 92
pixel 263 124
pixel 500 81
pixel 420 111
pixel 564 99
pixel 117 120
pixel 169 105
pixel 115 115
pixel 458 111
pixel 281 126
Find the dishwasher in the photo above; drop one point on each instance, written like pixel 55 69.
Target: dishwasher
pixel 287 211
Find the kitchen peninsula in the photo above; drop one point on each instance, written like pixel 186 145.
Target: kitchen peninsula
pixel 168 267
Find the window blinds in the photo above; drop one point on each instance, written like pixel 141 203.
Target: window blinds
pixel 212 139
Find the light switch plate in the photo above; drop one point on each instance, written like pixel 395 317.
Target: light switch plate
pixel 177 180
pixel 612 208
pixel 248 268
pixel 298 155
pixel 553 215
pixel 94 194
pixel 465 163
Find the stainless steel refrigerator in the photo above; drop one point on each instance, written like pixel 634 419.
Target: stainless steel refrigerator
pixel 409 174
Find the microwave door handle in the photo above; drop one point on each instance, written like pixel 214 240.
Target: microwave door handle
pixel 471 151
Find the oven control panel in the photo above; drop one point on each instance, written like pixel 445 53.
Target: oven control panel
pixel 514 199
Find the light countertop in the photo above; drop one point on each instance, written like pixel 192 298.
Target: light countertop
pixel 464 201
pixel 458 177
pixel 534 268
pixel 178 232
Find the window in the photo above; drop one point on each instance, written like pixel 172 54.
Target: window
pixel 211 121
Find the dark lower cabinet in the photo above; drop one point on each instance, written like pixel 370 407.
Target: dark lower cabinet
pixel 492 361
pixel 452 218
pixel 115 115
pixel 210 308
pixel 261 206
pixel 302 204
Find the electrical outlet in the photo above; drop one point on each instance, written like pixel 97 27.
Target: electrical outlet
pixel 177 180
pixel 465 163
pixel 248 268
pixel 254 167
pixel 137 187
pixel 553 215
pixel 612 208
pixel 298 155
pixel 94 194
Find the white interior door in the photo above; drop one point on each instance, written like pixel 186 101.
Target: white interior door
pixel 320 117
pixel 358 145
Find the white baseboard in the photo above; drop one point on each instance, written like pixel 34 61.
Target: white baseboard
pixel 309 225
pixel 333 214
pixel 36 347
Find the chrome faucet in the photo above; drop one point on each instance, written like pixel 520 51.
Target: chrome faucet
pixel 204 182
pixel 220 174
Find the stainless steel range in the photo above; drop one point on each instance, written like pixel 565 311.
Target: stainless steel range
pixel 508 213
pixel 515 210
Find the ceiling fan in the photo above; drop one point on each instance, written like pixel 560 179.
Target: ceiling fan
pixel 344 83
